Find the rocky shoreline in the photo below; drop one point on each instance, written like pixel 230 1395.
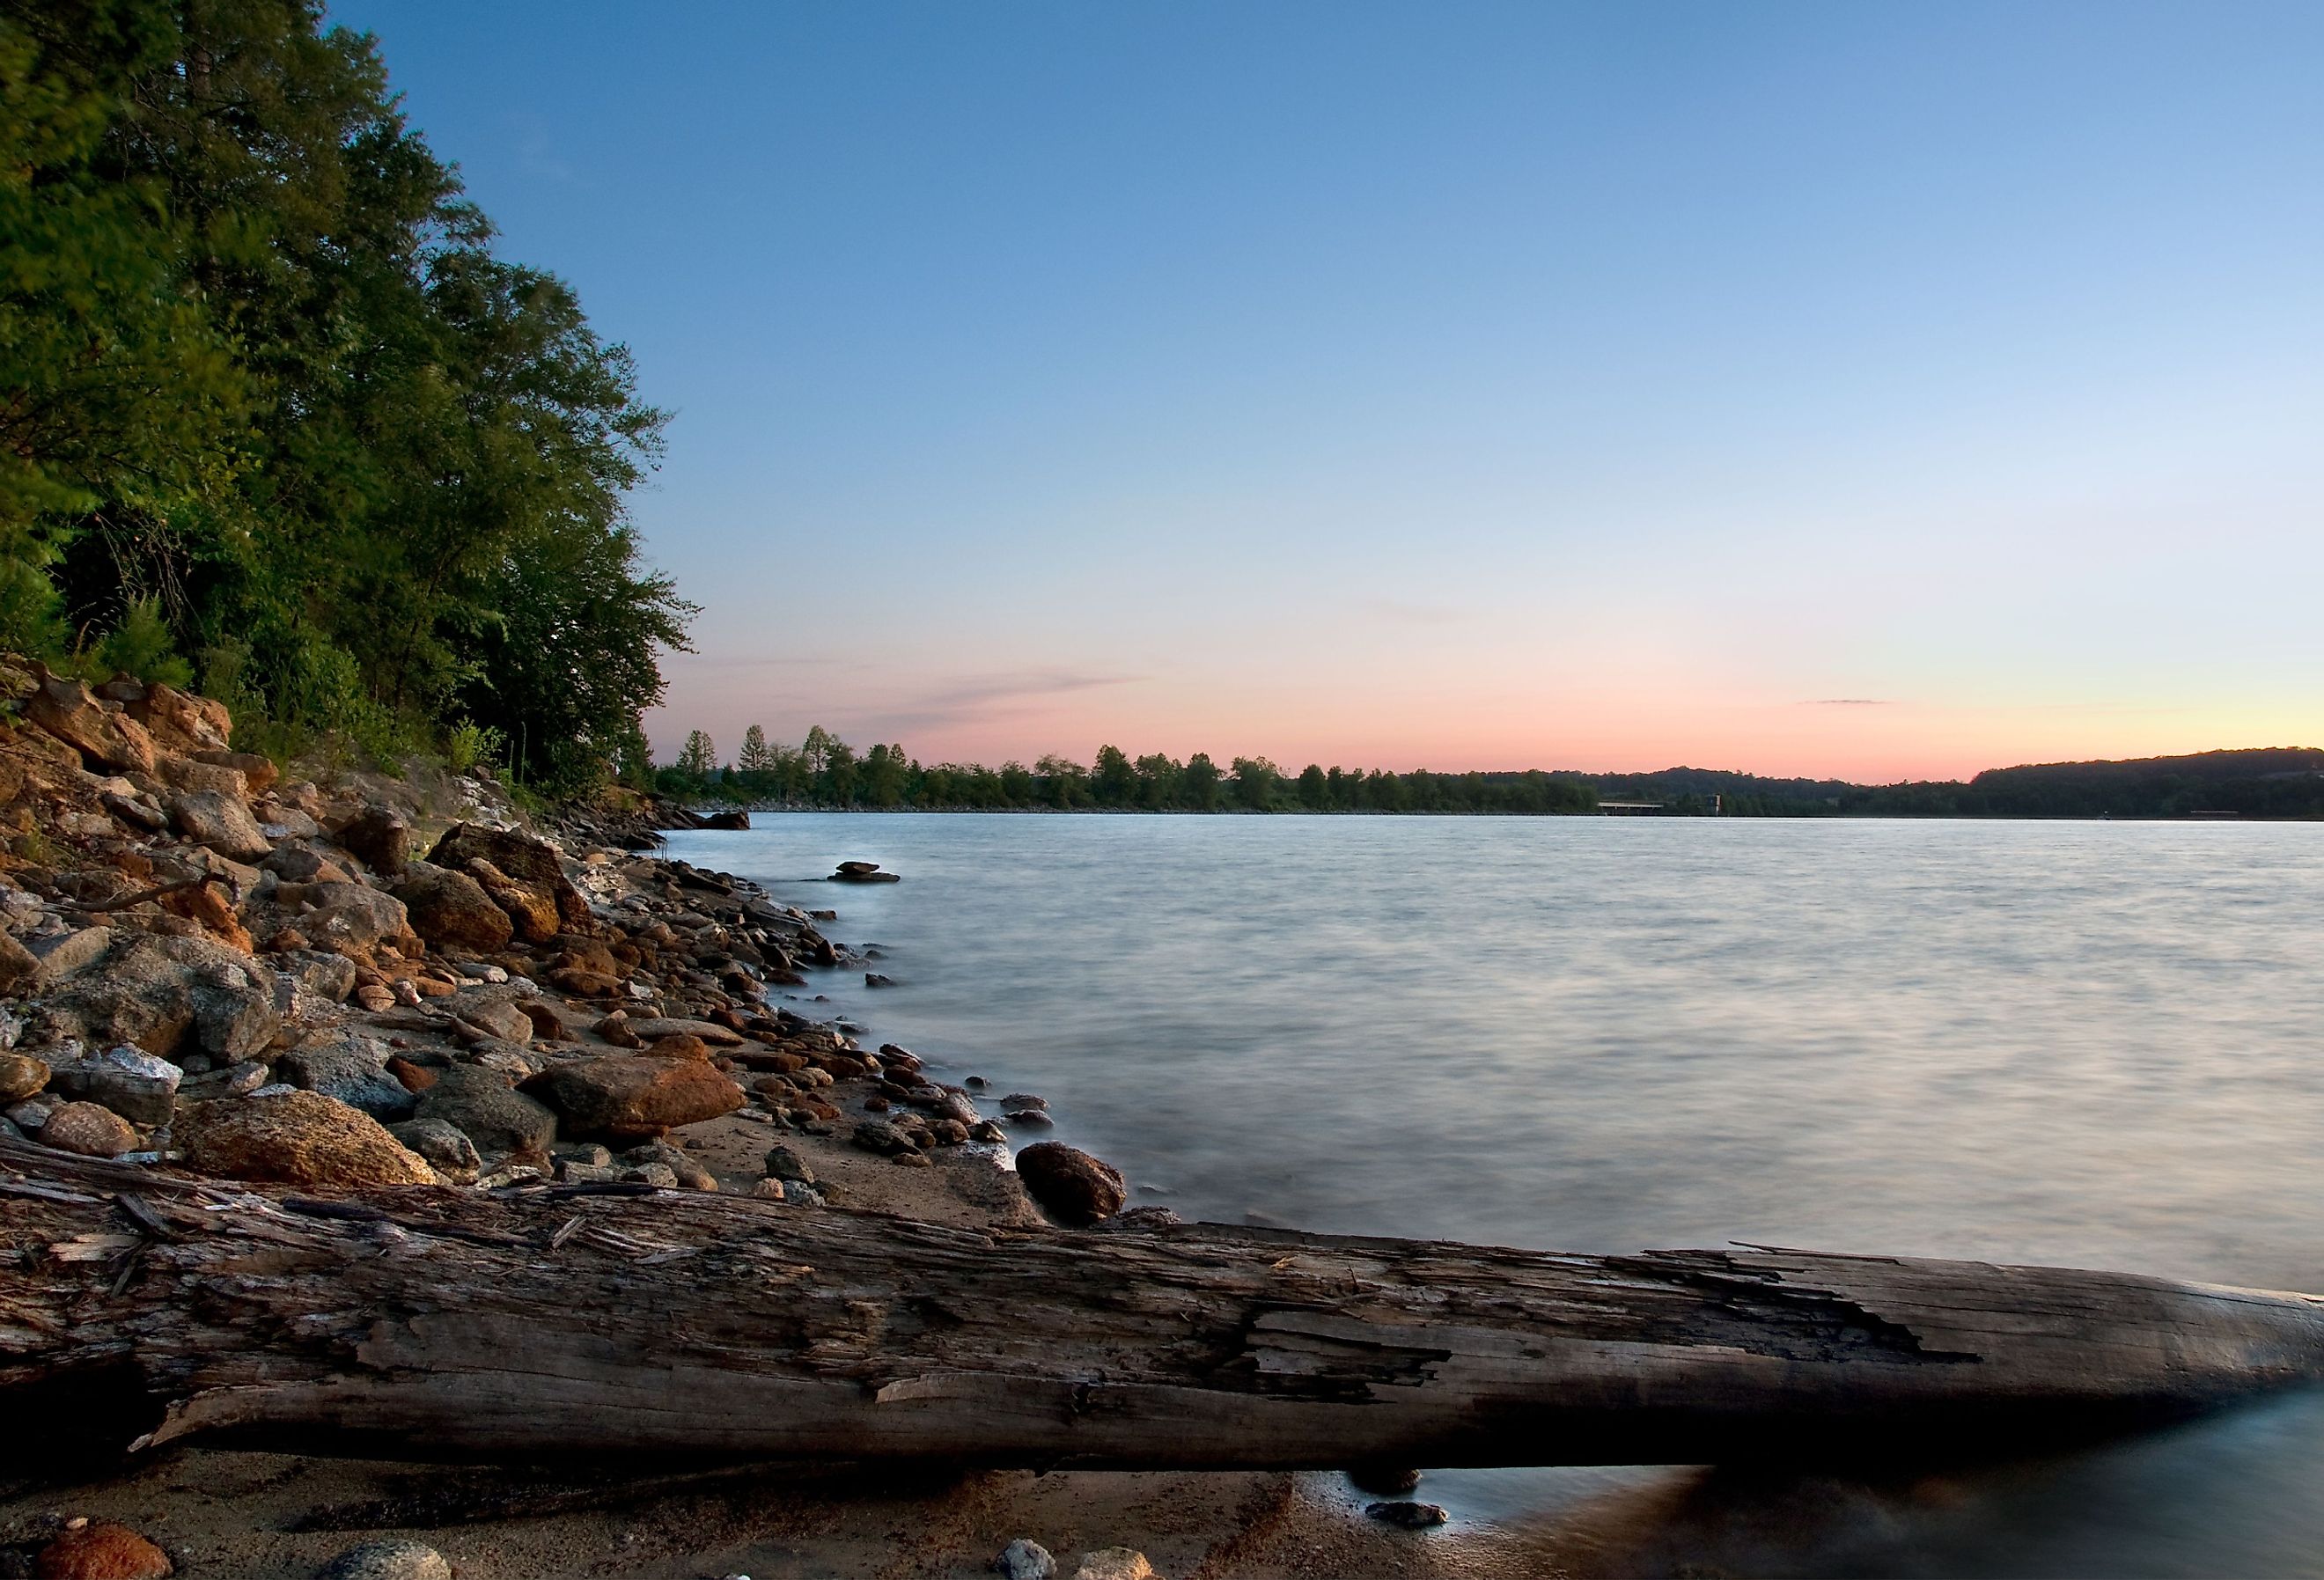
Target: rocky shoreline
pixel 347 980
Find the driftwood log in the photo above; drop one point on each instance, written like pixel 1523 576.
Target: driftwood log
pixel 573 1321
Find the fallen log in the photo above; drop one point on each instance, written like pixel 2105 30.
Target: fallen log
pixel 531 1323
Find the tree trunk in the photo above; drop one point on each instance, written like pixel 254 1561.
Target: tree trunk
pixel 597 1320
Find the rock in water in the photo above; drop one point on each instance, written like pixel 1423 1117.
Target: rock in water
pixel 102 1552
pixel 388 1560
pixel 89 1130
pixel 633 1095
pixel 1025 1560
pixel 295 1138
pixel 1070 1185
pixel 1406 1516
pixel 1114 1564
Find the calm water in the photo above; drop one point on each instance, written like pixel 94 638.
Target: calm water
pixel 2092 1044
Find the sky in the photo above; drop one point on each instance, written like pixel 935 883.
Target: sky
pixel 1879 391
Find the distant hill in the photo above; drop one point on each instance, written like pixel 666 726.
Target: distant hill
pixel 2274 782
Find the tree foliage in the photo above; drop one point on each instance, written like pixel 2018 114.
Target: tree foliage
pixel 267 388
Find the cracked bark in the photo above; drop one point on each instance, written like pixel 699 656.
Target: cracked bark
pixel 439 1325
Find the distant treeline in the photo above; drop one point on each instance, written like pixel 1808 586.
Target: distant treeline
pixel 825 772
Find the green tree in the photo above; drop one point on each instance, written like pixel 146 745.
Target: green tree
pixel 1200 787
pixel 755 757
pixel 699 755
pixel 1315 787
pixel 1254 781
pixel 1114 782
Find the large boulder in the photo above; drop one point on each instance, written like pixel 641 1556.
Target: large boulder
pixel 295 1138
pixel 214 818
pixel 351 916
pixel 168 995
pixel 351 1067
pixel 480 1103
pixel 258 772
pixel 380 837
pixel 105 736
pixel 632 1096
pixel 181 722
pixel 1071 1185
pixel 524 864
pixel 451 910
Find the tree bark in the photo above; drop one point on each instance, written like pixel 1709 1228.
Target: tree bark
pixel 595 1320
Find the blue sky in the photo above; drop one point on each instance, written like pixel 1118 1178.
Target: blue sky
pixel 1878 390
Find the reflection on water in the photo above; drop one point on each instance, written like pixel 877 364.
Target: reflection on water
pixel 2092 1044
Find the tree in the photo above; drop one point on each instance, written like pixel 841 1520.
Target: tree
pixel 1200 782
pixel 1315 787
pixel 699 757
pixel 1114 782
pixel 755 757
pixel 1255 779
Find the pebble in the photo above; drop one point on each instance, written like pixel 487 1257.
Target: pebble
pixel 768 1190
pixel 1405 1515
pixel 782 1163
pixel 1025 1560
pixel 389 1560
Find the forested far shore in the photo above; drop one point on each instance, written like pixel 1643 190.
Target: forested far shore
pixel 824 772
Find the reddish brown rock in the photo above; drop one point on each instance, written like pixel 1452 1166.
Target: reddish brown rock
pixel 680 1045
pixel 258 772
pixel 1071 1185
pixel 379 837
pixel 89 1130
pixel 295 1138
pixel 21 1076
pixel 411 1077
pixel 633 1095
pixel 102 1552
pixel 528 865
pixel 451 910
pixel 106 738
pixel 181 723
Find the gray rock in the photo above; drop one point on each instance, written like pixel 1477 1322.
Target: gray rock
pixel 1025 1560
pixel 353 1068
pixel 689 1173
pixel 447 1148
pixel 589 1155
pixel 782 1163
pixel 877 1136
pixel 495 1116
pixel 220 821
pixel 329 976
pixel 1405 1515
pixel 61 954
pixel 165 994
pixel 353 914
pixel 388 1560
pixel 134 1085
pixel 381 838
pixel 659 1175
pixel 496 1015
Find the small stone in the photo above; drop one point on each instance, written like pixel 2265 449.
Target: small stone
pixel 1030 1119
pixel 141 1088
pixel 21 1076
pixel 388 1560
pixel 659 1175
pixel 1025 1560
pixel 987 1132
pixel 102 1552
pixel 911 1160
pixel 1070 1185
pixel 782 1163
pixel 873 979
pixel 1114 1564
pixel 766 1189
pixel 447 1148
pixel 877 1136
pixel 1405 1515
pixel 88 1129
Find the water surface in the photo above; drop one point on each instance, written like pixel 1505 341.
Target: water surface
pixel 2092 1044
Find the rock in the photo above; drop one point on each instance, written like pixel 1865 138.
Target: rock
pixel 658 1026
pixel 1020 1100
pixel 182 723
pixel 483 1106
pixel 769 1190
pixel 528 863
pixel 351 1068
pixel 451 910
pixel 987 1132
pixel 1114 1564
pixel 622 1096
pixel 353 914
pixel 689 1173
pixel 447 1148
pixel 547 1024
pixel 680 1045
pixel 1406 1516
pixel 502 1018
pixel 259 772
pixel 326 976
pixel 531 912
pixel 782 1163
pixel 294 861
pixel 1029 1118
pixel 191 773
pixel 21 1076
pixel 106 738
pixel 660 1176
pixel 1070 1185
pixel 1025 1560
pixel 63 955
pixel 217 820
pixel 102 1552
pixel 294 1138
pixel 731 821
pixel 877 1136
pixel 378 837
pixel 873 979
pixel 388 1560
pixel 88 1129
pixel 1389 1481
pixel 18 965
pixel 213 912
pixel 141 1088
pixel 167 994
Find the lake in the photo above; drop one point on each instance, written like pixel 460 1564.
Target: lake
pixel 2093 1044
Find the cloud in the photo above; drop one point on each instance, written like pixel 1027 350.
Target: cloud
pixel 982 698
pixel 1848 702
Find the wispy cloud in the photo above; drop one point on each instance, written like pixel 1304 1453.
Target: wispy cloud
pixel 1848 702
pixel 981 699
